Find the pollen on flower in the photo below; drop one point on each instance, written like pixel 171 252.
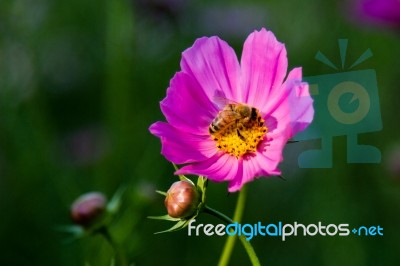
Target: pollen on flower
pixel 241 136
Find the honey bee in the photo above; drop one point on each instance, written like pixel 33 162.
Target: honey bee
pixel 240 115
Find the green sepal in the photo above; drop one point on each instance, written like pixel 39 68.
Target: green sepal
pixel 182 177
pixel 115 203
pixel 161 192
pixel 72 229
pixel 282 177
pixel 164 217
pixel 202 183
pixel 178 226
pixel 76 232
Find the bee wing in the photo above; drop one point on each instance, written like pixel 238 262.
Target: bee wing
pixel 221 101
pixel 229 115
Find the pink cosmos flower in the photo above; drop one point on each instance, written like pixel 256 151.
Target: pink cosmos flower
pixel 244 138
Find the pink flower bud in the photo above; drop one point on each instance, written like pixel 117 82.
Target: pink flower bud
pixel 182 199
pixel 88 208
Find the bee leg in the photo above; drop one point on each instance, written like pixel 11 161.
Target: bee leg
pixel 240 135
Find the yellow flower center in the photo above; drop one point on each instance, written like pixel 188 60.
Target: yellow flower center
pixel 238 129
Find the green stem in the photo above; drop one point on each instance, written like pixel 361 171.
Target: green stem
pixel 237 217
pixel 230 242
pixel 119 256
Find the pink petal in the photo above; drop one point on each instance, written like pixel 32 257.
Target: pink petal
pixel 302 110
pixel 221 167
pixel 214 65
pixel 270 155
pixel 263 163
pixel 246 172
pixel 290 112
pixel 266 160
pixel 264 65
pixel 186 106
pixel 292 109
pixel 181 147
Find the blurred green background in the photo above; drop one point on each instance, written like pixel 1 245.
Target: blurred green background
pixel 80 83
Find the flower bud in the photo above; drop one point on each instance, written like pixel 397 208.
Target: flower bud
pixel 88 208
pixel 182 199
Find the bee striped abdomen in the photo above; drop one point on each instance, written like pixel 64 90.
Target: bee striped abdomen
pixel 254 114
pixel 213 128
